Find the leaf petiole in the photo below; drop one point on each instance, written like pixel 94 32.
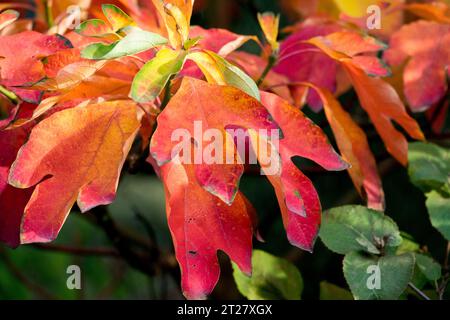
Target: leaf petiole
pixel 270 64
pixel 9 94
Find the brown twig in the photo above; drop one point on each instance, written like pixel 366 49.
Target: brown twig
pixel 103 252
pixel 141 255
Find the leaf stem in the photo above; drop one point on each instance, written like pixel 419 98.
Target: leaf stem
pixel 9 94
pixel 270 64
pixel 103 252
pixel 440 288
pixel 167 94
pixel 418 291
pixel 49 13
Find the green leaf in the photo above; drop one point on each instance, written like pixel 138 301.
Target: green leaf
pixel 439 211
pixel 236 77
pixel 430 268
pixel 218 70
pixel 116 17
pixel 429 166
pixel 134 42
pixel 329 291
pixel 272 278
pixel 191 43
pixel 357 228
pixel 408 244
pixel 154 75
pixel 378 278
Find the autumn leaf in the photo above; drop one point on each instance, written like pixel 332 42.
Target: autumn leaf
pixel 7 17
pixel 220 41
pixel 97 88
pixel 116 20
pixel 116 17
pixel 218 70
pixel 254 66
pixel 69 76
pixel 202 227
pixel 12 200
pixel 355 149
pixel 176 15
pixel 425 44
pixel 269 24
pixel 215 107
pixel 297 197
pixel 300 61
pixel 95 28
pixel 434 11
pixel 143 13
pixel 357 47
pixel 22 65
pixel 77 154
pixel 155 74
pixel 377 98
pixel 382 20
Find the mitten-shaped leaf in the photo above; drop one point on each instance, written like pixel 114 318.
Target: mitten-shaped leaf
pixel 204 106
pixel 201 224
pixel 73 155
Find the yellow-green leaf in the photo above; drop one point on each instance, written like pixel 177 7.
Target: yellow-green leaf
pixel 154 75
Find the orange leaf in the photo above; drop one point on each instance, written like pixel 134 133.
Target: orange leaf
pixel 269 23
pixel 76 154
pixel 297 198
pixel 383 105
pixel 425 47
pixel 22 64
pixel 377 97
pixel 177 17
pixel 434 11
pixel 353 144
pixel 208 106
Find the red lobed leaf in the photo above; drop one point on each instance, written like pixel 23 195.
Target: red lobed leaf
pixel 21 64
pixel 75 154
pixel 297 197
pixel 427 46
pixel 202 227
pixel 215 107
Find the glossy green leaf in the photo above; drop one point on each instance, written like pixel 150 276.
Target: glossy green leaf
pixel 378 278
pixel 272 278
pixel 439 210
pixel 154 75
pixel 429 166
pixel 357 228
pixel 134 42
pixel 428 266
